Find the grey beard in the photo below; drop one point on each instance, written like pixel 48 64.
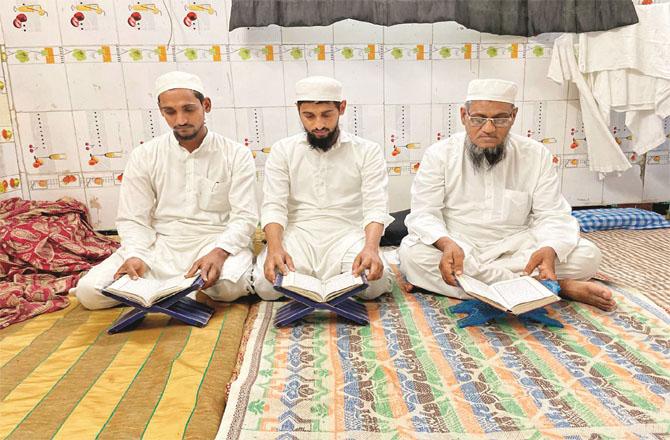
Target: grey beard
pixel 323 144
pixel 478 155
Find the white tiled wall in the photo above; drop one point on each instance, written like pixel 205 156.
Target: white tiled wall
pixel 76 94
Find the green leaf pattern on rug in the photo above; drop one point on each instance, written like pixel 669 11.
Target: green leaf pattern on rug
pixel 319 410
pixel 257 407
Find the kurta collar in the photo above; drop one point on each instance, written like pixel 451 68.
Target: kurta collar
pixel 206 142
pixel 344 138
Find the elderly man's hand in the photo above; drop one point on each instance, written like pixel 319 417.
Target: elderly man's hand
pixel 543 259
pixel 134 267
pixel 210 267
pixel 451 262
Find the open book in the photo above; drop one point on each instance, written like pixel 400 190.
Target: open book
pixel 149 292
pixel 516 296
pixel 317 290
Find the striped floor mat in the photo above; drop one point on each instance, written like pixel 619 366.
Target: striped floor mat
pixel 62 376
pixel 413 374
pixel 637 258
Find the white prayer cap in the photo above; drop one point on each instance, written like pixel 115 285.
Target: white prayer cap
pixel 491 90
pixel 318 88
pixel 178 80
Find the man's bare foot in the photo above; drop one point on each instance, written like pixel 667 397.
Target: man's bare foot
pixel 588 292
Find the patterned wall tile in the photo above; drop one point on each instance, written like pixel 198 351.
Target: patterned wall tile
pixel 81 75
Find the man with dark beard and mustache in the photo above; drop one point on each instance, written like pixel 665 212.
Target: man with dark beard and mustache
pixel 187 203
pixel 487 203
pixel 325 202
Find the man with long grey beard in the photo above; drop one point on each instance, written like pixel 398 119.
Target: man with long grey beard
pixel 487 203
pixel 325 202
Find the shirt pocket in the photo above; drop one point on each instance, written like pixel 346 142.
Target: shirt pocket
pixel 516 206
pixel 213 195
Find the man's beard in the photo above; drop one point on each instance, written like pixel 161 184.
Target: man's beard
pixel 325 143
pixel 188 137
pixel 478 155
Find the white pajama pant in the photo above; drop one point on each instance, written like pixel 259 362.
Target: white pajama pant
pixel 419 263
pixel 321 257
pixel 172 259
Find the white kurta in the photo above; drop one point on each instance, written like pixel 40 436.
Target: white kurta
pixel 175 206
pixel 498 216
pixel 323 201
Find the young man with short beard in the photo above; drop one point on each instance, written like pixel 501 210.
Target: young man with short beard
pixel 325 202
pixel 187 203
pixel 487 203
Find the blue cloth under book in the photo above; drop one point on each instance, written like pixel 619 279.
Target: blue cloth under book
pixel 479 313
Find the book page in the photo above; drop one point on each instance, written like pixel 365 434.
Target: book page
pixel 477 288
pixel 295 280
pixel 340 283
pixel 147 291
pixel 522 290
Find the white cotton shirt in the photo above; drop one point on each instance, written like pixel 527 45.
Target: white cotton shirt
pixel 486 208
pixel 345 187
pixel 174 198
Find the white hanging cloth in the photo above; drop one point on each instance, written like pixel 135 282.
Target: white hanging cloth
pixel 605 155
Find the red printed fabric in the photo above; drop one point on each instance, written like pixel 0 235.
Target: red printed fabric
pixel 44 248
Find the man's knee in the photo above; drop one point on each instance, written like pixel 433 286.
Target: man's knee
pixel 378 287
pixel 582 263
pixel 226 290
pixel 90 296
pixel 418 256
pixel 263 288
pixel 590 257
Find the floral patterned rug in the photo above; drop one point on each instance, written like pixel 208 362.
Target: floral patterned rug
pixel 414 374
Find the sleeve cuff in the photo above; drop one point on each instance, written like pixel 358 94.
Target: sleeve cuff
pixel 228 246
pixel 562 251
pixel 141 254
pixel 383 219
pixel 430 239
pixel 274 218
